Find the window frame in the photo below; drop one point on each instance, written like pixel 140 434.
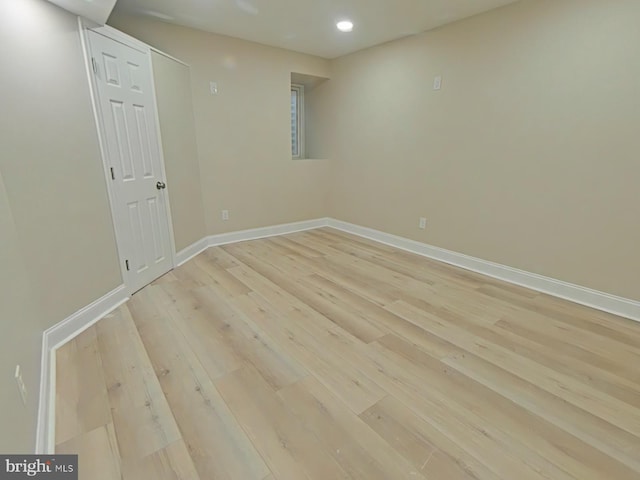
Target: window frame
pixel 299 89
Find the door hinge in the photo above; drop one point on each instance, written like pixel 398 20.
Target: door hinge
pixel 126 262
pixel 113 175
pixel 94 65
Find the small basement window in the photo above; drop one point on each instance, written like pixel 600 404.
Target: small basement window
pixel 306 125
pixel 297 121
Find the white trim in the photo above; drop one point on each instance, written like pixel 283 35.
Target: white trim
pixel 172 238
pixel 606 302
pixel 253 234
pixel 74 325
pixel 186 254
pixel 300 127
pixel 165 54
pixel 126 39
pixel 66 330
pixel 83 28
pixel 121 37
pixel 45 427
pixel 52 339
pixel 118 36
pixel 264 232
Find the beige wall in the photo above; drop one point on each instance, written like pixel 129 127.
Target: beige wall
pixel 243 133
pixel 177 127
pixel 20 340
pixel 50 159
pixel 56 243
pixel 528 156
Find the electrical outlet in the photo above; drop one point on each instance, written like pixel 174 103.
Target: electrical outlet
pixel 422 224
pixel 22 388
pixel 225 215
pixel 437 82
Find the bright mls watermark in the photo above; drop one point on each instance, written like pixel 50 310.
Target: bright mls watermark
pixel 52 467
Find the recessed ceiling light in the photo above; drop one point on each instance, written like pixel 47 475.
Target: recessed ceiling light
pixel 345 26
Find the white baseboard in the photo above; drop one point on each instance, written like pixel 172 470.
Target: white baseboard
pixel 72 326
pixel 186 254
pixel 45 427
pixel 52 339
pixel 243 235
pixel 606 302
pixel 84 318
pixel 264 232
pixel 64 331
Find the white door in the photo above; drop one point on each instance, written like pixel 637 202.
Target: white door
pixel 127 110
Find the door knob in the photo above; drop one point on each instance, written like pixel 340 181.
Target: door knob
pixel 161 185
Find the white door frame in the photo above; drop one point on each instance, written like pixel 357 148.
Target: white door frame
pixel 118 36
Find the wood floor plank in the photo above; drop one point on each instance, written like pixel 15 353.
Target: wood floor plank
pixel 359 450
pixel 301 248
pixel 467 303
pixel 142 418
pixel 252 344
pixel 584 350
pixel 605 324
pixel 217 357
pixel 264 261
pixel 382 319
pixel 276 296
pixel 191 276
pixel 588 368
pixel 382 261
pixel 604 361
pixel 308 238
pixel 166 278
pixel 404 285
pixel 98 455
pixel 170 463
pixel 220 258
pixel 345 315
pixel 375 291
pixel 290 450
pixel 220 278
pixel 82 404
pixel 332 236
pixel 573 457
pixel 583 424
pixel 341 313
pixel 215 441
pixel 481 438
pixel 292 332
pixel 547 350
pixel 580 337
pixel 577 393
pixel 323 355
pixel 432 452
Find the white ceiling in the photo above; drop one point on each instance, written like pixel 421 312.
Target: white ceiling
pixel 308 26
pixel 96 10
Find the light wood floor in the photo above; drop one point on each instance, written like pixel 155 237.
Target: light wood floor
pixel 320 355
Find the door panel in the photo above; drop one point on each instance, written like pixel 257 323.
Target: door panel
pixel 129 120
pixel 137 263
